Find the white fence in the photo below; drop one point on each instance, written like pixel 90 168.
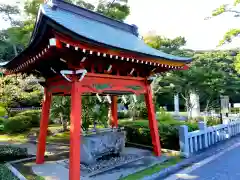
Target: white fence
pixel 25 108
pixel 192 142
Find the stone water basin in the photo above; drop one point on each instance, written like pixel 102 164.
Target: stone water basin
pixel 99 144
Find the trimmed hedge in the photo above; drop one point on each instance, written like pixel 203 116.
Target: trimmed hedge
pixel 2 120
pixel 17 124
pixel 138 132
pixel 34 115
pixel 10 153
pixel 6 174
pixel 123 115
pixel 1 123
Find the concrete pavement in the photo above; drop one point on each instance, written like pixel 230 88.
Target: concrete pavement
pixel 221 166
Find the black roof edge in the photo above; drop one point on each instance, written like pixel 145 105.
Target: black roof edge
pixel 133 29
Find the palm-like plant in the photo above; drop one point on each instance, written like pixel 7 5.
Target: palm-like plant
pixel 61 109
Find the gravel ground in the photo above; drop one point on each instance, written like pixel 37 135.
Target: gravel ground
pixel 102 164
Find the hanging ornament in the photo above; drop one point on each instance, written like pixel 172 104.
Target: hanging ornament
pixel 124 99
pixel 108 98
pixel 134 98
pixel 99 98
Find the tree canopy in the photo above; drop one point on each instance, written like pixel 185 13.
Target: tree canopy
pixel 14 39
pixel 228 8
pixel 210 75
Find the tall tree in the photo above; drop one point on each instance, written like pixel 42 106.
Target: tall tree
pixel 228 8
pixel 171 46
pixel 211 74
pixel 18 90
pixel 8 12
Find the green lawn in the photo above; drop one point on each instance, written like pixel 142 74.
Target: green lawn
pixel 14 137
pixel 23 137
pixel 63 137
pixel 154 169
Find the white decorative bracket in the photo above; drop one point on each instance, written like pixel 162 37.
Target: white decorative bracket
pixel 132 71
pixel 70 72
pixel 83 72
pixel 64 72
pixel 52 42
pixel 109 68
pixel 151 78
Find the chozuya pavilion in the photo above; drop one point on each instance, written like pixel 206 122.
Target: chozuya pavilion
pixel 77 51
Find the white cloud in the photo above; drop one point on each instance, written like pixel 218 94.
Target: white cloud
pixel 173 18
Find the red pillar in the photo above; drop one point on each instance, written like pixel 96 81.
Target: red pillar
pixel 75 130
pixel 43 127
pixel 153 125
pixel 114 111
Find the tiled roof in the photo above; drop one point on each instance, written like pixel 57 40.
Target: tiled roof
pixel 101 29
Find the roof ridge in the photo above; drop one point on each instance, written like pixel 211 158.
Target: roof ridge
pixel 133 29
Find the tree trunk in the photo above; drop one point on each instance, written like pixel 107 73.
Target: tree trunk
pixel 15 49
pixel 194 104
pixel 189 109
pixel 63 122
pixel 133 113
pixel 109 116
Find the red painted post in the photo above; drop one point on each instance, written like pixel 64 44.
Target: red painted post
pixel 153 125
pixel 75 130
pixel 114 111
pixel 43 127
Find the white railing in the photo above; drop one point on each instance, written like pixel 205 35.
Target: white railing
pixel 25 108
pixel 192 142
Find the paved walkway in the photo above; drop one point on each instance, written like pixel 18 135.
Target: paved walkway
pixel 221 166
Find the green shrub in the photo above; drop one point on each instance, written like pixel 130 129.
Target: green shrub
pixel 10 153
pixel 1 123
pixel 1 120
pixel 34 115
pixel 139 110
pixel 123 115
pixel 17 124
pixel 6 174
pixel 211 121
pixel 143 113
pixel 138 132
pixel 234 110
pixel 163 116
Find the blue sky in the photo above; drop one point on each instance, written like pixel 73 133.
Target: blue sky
pixel 173 18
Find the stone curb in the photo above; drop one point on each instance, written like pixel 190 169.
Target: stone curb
pixel 22 160
pixel 61 144
pixel 15 171
pixel 187 162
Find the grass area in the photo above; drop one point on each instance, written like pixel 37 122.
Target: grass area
pixel 23 137
pixel 63 137
pixel 180 113
pixel 6 174
pixel 26 170
pixel 14 137
pixel 154 169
